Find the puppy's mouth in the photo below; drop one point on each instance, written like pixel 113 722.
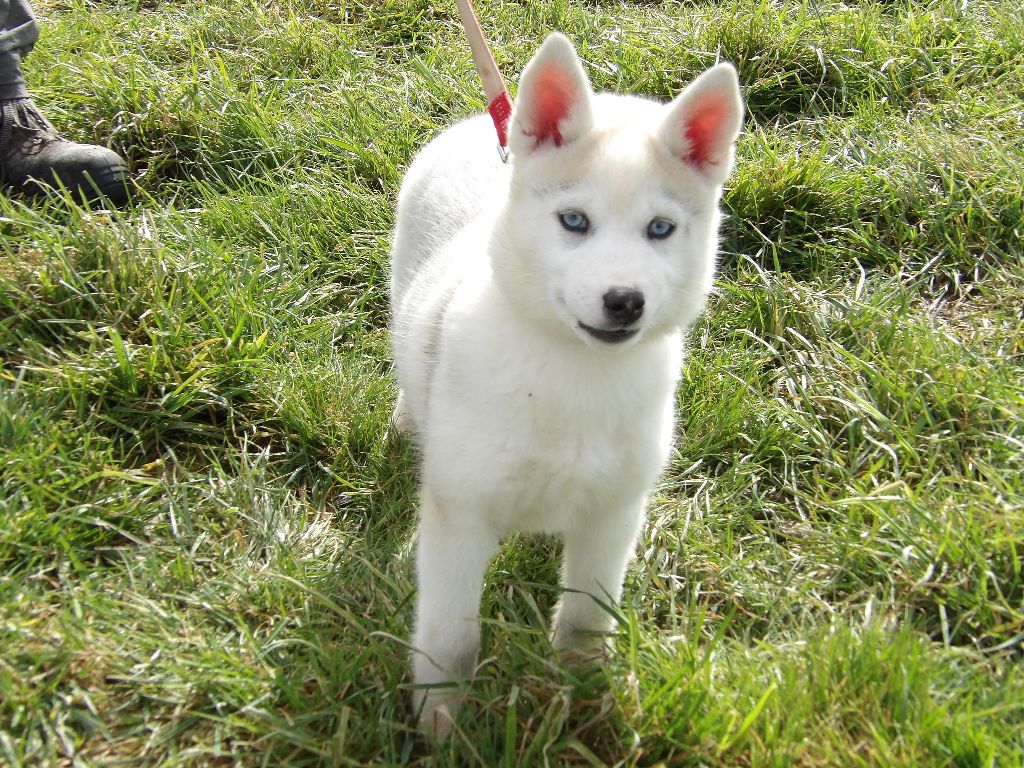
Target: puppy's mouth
pixel 613 336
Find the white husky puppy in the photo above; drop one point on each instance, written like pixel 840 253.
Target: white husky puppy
pixel 538 309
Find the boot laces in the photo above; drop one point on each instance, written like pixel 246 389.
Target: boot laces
pixel 22 113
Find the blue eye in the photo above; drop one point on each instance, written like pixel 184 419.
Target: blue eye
pixel 659 229
pixel 574 221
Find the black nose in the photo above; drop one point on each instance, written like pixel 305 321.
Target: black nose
pixel 623 305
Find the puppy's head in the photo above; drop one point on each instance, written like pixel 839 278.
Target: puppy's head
pixel 610 229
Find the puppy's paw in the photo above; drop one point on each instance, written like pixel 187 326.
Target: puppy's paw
pixel 580 657
pixel 401 424
pixel 437 710
pixel 437 720
pixel 576 648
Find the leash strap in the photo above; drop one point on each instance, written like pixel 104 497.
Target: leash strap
pixel 499 102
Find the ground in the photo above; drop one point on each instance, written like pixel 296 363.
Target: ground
pixel 206 536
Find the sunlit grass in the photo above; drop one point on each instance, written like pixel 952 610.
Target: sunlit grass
pixel 205 534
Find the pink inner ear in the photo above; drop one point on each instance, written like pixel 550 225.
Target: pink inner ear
pixel 553 95
pixel 704 131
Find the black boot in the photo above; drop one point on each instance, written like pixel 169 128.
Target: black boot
pixel 34 157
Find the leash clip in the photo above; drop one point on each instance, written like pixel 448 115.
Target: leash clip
pixel 500 109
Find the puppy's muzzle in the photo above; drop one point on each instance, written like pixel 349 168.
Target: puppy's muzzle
pixel 622 307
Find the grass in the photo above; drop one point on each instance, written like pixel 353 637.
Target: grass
pixel 206 538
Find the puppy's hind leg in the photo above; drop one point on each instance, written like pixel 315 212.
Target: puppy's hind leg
pixel 452 557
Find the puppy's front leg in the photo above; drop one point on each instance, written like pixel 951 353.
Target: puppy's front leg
pixel 452 557
pixel 596 555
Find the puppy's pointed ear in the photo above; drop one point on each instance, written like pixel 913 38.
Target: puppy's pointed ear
pixel 553 104
pixel 704 121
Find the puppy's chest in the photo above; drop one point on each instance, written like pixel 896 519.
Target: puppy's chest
pixel 561 435
pixel 558 459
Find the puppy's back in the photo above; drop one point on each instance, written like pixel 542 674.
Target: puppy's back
pixel 451 181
